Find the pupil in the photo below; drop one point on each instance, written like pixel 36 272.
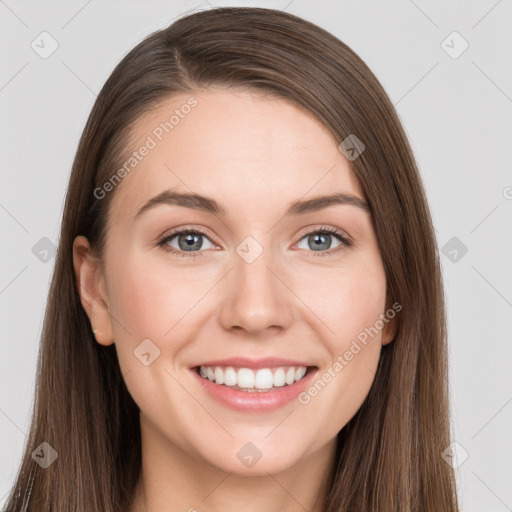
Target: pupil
pixel 191 239
pixel 318 244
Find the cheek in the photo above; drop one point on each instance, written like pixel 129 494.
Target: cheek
pixel 351 307
pixel 348 300
pixel 150 298
pixel 356 305
pixel 141 303
pixel 148 301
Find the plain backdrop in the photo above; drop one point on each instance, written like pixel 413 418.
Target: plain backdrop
pixel 447 68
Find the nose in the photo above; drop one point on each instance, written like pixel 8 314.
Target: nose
pixel 256 299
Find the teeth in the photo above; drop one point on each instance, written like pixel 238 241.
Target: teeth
pixel 279 377
pixel 247 379
pixel 290 376
pixel 230 377
pixel 300 372
pixel 263 379
pixel 219 376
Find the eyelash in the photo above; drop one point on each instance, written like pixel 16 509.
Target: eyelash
pixel 345 243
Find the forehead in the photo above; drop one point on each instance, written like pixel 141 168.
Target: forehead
pixel 244 148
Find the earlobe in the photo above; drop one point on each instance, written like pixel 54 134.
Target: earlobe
pixel 390 328
pixel 389 332
pixel 92 290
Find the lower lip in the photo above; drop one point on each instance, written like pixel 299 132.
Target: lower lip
pixel 255 401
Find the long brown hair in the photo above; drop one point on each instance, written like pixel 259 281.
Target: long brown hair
pixel 389 455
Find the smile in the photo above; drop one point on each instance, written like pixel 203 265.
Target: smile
pixel 255 390
pixel 247 379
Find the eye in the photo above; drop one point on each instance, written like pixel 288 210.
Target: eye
pixel 190 242
pixel 319 239
pixel 187 240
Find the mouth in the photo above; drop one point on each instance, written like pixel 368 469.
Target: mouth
pixel 253 385
pixel 254 380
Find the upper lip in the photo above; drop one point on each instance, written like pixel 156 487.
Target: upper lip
pixel 244 362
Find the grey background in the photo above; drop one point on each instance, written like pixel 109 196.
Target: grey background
pixel 456 112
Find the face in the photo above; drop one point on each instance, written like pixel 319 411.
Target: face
pixel 252 286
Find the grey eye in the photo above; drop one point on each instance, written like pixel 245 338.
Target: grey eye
pixel 318 241
pixel 188 242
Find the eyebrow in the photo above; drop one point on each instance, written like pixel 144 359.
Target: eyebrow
pixel 209 205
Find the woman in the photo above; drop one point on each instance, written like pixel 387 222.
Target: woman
pixel 247 304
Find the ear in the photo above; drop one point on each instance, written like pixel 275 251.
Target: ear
pixel 92 289
pixel 390 327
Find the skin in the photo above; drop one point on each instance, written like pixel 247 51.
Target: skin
pixel 253 154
